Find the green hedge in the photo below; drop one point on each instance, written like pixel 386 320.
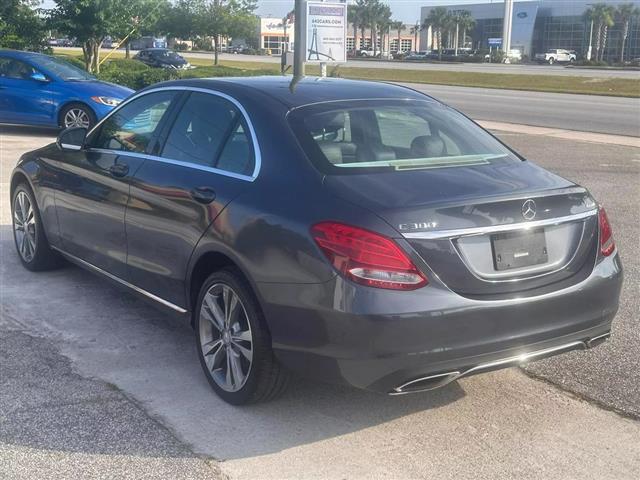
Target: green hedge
pixel 137 75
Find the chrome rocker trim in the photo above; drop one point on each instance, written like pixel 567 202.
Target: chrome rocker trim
pixel 441 379
pixel 464 232
pixel 92 267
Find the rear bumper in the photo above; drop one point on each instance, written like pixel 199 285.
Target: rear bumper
pixel 380 340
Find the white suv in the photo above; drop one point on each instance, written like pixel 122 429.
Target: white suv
pixel 554 55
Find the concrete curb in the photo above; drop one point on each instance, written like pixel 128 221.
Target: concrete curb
pixel 564 134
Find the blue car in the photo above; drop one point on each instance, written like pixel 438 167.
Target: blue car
pixel 45 91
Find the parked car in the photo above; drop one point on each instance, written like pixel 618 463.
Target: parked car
pixel 162 58
pixel 237 49
pixel 109 43
pixel 556 55
pixel 384 240
pixel 421 55
pixel 147 42
pixel 65 42
pixel 41 90
pixel 368 53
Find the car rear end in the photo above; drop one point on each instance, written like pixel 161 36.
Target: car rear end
pixel 489 260
pixel 540 57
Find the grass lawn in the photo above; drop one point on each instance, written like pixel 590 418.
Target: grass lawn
pixel 620 87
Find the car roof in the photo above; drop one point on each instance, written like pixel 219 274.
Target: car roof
pixel 20 54
pixel 309 90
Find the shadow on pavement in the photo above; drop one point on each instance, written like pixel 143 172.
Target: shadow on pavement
pixel 27 131
pixel 111 335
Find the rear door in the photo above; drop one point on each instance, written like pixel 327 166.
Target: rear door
pixel 23 100
pixel 207 156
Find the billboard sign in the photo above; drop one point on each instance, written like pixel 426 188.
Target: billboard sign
pixel 495 42
pixel 326 32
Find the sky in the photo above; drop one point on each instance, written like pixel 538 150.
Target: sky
pixel 406 10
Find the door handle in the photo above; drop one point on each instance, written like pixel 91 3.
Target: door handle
pixel 203 194
pixel 119 169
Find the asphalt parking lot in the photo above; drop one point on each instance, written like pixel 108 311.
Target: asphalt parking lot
pixel 96 384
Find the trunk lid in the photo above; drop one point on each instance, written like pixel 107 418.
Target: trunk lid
pixel 486 231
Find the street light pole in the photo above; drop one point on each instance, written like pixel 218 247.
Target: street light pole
pixel 299 48
pixel 506 27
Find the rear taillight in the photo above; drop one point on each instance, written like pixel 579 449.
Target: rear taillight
pixel 367 257
pixel 607 245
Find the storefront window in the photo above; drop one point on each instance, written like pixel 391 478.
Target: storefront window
pixel 274 43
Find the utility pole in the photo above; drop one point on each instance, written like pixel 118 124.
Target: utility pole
pixel 299 48
pixel 506 27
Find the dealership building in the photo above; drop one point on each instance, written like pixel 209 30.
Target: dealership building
pixel 274 33
pixel 539 25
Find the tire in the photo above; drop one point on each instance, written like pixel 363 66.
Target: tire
pixel 236 354
pixel 28 233
pixel 551 61
pixel 77 115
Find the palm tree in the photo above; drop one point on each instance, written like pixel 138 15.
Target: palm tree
pixel 450 28
pixel 377 16
pixel 355 15
pixel 625 13
pixel 465 22
pixel 398 26
pixel 602 16
pixel 439 19
pixel 384 26
pixel 415 31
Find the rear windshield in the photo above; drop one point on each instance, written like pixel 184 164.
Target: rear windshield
pixel 357 136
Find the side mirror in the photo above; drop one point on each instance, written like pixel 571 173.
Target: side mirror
pixel 72 139
pixel 39 77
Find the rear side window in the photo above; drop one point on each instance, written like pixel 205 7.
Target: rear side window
pixel 382 135
pixel 132 127
pixel 210 131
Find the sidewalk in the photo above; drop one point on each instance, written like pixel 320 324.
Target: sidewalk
pixel 56 424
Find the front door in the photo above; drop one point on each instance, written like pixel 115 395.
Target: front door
pixel 94 183
pixel 24 100
pixel 207 160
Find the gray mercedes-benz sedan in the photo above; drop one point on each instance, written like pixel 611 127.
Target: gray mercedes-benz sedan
pixel 350 231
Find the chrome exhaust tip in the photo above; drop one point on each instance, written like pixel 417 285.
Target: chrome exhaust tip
pixel 424 384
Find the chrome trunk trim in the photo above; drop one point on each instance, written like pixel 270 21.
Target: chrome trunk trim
pixel 463 232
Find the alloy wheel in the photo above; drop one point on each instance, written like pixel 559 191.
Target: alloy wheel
pixel 76 117
pixel 225 337
pixel 24 226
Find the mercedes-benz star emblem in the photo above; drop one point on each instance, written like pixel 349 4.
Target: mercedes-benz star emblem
pixel 529 210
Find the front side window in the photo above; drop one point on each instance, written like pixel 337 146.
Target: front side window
pixel 132 127
pixel 64 70
pixel 383 135
pixel 15 69
pixel 210 131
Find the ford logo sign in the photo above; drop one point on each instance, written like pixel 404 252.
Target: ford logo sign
pixel 522 15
